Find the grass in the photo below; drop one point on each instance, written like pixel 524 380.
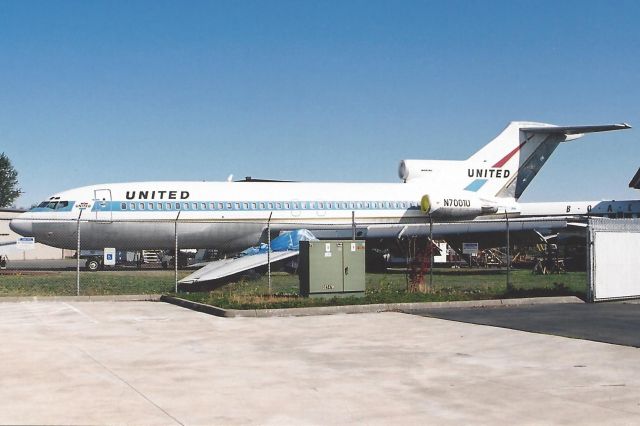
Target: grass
pixel 447 285
pixel 392 288
pixel 63 283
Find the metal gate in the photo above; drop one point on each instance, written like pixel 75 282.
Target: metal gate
pixel 614 258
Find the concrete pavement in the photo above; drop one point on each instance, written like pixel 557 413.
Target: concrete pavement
pixel 155 363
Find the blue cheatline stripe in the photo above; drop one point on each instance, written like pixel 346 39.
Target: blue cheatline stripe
pixel 223 206
pixel 476 185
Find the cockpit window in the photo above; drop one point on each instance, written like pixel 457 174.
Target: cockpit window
pixel 53 205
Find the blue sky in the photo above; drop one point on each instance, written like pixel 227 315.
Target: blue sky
pixel 94 92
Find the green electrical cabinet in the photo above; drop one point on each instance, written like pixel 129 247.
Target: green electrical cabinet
pixel 331 268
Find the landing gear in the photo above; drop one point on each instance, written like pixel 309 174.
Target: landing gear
pixel 93 264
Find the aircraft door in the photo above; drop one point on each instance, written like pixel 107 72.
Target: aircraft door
pixel 102 205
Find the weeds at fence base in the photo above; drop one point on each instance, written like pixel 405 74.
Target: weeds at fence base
pixel 390 288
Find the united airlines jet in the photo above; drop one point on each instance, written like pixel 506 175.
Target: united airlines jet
pixel 231 216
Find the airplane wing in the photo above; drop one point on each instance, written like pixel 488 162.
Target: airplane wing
pixel 285 246
pixel 227 267
pixel 443 229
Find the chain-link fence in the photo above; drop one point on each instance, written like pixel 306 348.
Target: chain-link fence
pixel 456 260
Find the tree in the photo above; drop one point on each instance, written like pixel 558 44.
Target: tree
pixel 9 190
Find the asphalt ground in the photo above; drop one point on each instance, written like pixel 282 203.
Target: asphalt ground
pixel 71 362
pixel 609 322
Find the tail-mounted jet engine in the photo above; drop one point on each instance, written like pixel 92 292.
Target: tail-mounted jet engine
pixel 456 206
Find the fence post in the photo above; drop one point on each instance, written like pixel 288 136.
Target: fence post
pixel 431 252
pixel 590 266
pixel 353 225
pixel 78 255
pixel 176 254
pixel 506 216
pixel 269 251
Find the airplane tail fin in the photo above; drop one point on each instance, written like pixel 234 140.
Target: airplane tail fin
pixel 506 166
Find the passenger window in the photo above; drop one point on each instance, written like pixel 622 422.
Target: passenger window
pixel 278 206
pixel 123 206
pixel 262 206
pixel 237 206
pixel 229 206
pixel 245 206
pixel 141 205
pixel 254 206
pixel 177 206
pixel 132 206
pixel 159 205
pixel 150 206
pixel 286 206
pixel 185 206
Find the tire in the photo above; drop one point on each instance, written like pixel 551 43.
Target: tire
pixel 92 265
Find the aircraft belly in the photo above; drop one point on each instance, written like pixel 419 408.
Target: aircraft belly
pixel 226 237
pixel 148 235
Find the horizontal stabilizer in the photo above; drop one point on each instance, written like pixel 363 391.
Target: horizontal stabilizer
pixel 575 130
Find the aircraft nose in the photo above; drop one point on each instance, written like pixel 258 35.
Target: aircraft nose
pixel 22 227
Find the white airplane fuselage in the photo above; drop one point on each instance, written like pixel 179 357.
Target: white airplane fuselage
pixel 224 215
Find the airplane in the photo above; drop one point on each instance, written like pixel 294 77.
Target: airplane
pixel 231 216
